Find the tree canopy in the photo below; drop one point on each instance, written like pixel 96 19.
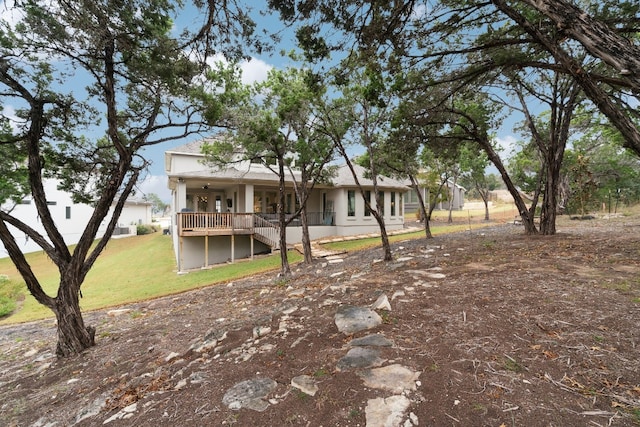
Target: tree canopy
pixel 140 85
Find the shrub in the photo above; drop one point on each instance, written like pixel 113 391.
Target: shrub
pixel 9 292
pixel 145 229
pixel 7 305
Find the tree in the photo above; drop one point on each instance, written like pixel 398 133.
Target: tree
pixel 368 101
pixel 607 32
pixel 465 44
pixel 474 163
pixel 275 126
pixel 141 80
pixel 157 205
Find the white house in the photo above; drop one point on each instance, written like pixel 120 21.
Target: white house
pixel 219 215
pixel 412 203
pixel 71 218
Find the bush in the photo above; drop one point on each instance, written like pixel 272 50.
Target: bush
pixel 7 305
pixel 145 229
pixel 9 293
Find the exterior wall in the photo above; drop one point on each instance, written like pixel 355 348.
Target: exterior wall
pixel 411 201
pixel 361 224
pixel 193 250
pixel 135 214
pixel 71 228
pixel 294 234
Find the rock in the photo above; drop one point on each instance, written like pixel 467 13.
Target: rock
pixel 206 346
pixel 350 319
pixel 249 394
pixel 305 384
pixel 395 378
pixel 374 340
pixel 91 410
pixel 31 352
pixel 171 356
pixel 382 303
pixel 397 294
pixel 118 312
pixel 261 331
pixel 360 357
pixel 389 412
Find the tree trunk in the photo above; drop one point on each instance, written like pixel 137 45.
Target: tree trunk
pixel 598 95
pixel 527 217
pixel 386 247
pixel 423 210
pixel 486 208
pixel 596 37
pixel 306 240
pixel 73 336
pixel 284 260
pixel 452 196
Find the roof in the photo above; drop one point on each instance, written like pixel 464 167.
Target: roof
pixel 194 147
pixel 344 178
pixel 231 174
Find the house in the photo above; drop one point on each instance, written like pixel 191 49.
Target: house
pixel 71 218
pixel 412 204
pixel 223 214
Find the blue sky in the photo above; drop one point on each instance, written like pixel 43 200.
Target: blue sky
pixel 254 70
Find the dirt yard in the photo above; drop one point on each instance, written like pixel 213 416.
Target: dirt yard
pixel 495 327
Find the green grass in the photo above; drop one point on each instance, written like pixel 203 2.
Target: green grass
pixel 129 270
pixel 143 267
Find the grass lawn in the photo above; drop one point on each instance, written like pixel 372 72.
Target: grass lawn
pixel 143 267
pixel 130 269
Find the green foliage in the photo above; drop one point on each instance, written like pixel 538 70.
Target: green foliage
pixel 143 229
pixel 7 305
pixel 157 205
pixel 10 292
pixel 14 184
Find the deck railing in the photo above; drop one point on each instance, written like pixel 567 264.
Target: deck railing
pixel 313 218
pixel 201 221
pixel 207 221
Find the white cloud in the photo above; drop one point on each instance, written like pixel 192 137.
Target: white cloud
pixel 254 70
pixel 10 14
pixel 419 11
pixel 506 145
pixel 154 184
pixel 10 113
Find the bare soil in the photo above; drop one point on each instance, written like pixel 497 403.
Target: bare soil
pixel 518 331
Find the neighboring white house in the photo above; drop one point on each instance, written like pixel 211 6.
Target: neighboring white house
pixel 220 215
pixel 411 198
pixel 71 218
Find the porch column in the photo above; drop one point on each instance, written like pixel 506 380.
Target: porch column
pixel 248 198
pixel 180 198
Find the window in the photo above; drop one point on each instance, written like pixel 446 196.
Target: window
pixel 51 203
pixel 67 212
pixel 411 196
pixel 393 203
pixel 351 203
pixel 25 202
pixel 381 207
pixel 367 207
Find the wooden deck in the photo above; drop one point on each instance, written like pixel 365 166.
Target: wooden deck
pixel 193 224
pixel 214 224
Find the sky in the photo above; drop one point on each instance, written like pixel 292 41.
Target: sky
pixel 253 70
